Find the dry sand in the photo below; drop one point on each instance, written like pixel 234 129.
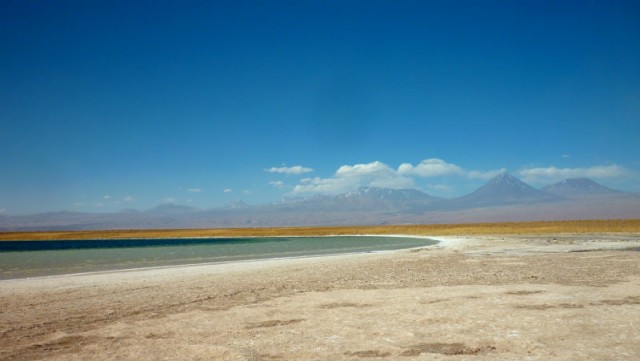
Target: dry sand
pixel 569 297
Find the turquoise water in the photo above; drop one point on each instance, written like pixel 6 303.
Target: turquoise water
pixel 29 259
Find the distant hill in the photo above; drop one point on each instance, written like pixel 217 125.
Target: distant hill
pixel 393 200
pixel 503 198
pixel 504 189
pixel 236 204
pixel 368 199
pixel 579 187
pixel 396 195
pixel 172 209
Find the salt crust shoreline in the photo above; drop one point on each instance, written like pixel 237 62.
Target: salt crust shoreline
pixel 568 297
pixel 450 243
pixel 219 267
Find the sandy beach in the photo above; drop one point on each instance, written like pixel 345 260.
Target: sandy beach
pixel 539 297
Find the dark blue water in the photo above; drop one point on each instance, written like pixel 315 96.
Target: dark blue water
pixel 17 246
pixel 21 259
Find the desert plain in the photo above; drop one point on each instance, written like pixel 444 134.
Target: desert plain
pixel 516 291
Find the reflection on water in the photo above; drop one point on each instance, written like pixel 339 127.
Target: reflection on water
pixel 64 257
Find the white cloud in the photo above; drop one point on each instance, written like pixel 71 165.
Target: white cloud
pixel 228 190
pixel 277 184
pixel 553 174
pixel 106 196
pixel 169 200
pixel 194 190
pixel 350 177
pixel 435 167
pixel 2 210
pixel 430 168
pixel 368 169
pixel 128 199
pixel 290 170
pixel 378 174
pixel 566 156
pixel 323 185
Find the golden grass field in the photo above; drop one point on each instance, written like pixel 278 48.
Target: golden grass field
pixel 547 227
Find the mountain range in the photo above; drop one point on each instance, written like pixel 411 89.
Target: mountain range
pixel 502 199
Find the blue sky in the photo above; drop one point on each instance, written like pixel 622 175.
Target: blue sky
pixel 114 104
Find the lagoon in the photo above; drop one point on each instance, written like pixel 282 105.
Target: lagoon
pixel 21 259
